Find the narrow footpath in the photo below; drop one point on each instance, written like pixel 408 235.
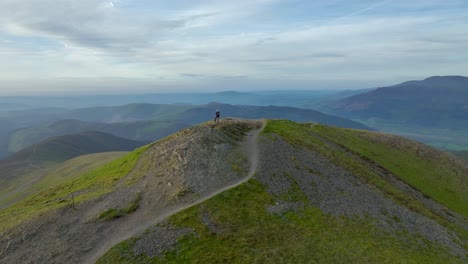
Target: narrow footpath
pixel 250 148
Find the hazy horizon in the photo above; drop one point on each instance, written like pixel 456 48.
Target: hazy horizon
pixel 121 46
pixel 78 87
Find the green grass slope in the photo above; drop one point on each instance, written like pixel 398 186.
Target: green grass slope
pixel 88 185
pixel 434 173
pixel 236 227
pixel 251 235
pixel 53 175
pixel 20 172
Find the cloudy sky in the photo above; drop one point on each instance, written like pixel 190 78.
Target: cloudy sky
pixel 143 45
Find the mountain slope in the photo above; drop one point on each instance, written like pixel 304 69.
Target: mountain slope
pixel 175 169
pixel 61 148
pixel 433 102
pixel 21 171
pixel 309 196
pixel 147 130
pixel 433 110
pixel 33 179
pixel 313 197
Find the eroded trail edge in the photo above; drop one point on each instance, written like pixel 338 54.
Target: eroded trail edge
pixel 250 149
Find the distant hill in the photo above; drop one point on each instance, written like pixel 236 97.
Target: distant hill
pixel 126 113
pixel 61 148
pixel 200 114
pixel 436 103
pixel 13 121
pixel 23 169
pixel 289 97
pixel 433 102
pixel 161 122
pixel 147 130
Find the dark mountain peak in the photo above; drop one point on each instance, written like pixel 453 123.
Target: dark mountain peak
pixel 437 102
pixel 447 78
pixel 438 82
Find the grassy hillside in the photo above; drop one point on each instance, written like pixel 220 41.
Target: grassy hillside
pixel 247 233
pixel 441 138
pixel 237 226
pixel 320 194
pixel 432 172
pixel 85 187
pixel 21 172
pixel 34 181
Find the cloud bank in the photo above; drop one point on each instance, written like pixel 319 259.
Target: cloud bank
pixel 62 45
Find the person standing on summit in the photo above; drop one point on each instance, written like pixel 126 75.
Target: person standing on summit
pixel 217 116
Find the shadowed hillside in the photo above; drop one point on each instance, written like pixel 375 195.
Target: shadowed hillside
pixel 139 130
pixel 433 110
pixel 49 122
pixel 21 171
pixel 433 102
pixel 240 193
pixel 61 148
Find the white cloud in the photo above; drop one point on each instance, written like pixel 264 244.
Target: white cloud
pixel 177 41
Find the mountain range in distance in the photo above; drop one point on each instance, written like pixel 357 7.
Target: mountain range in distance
pixel 434 110
pixel 147 121
pixel 294 98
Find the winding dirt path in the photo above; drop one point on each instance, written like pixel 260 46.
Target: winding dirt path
pixel 251 150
